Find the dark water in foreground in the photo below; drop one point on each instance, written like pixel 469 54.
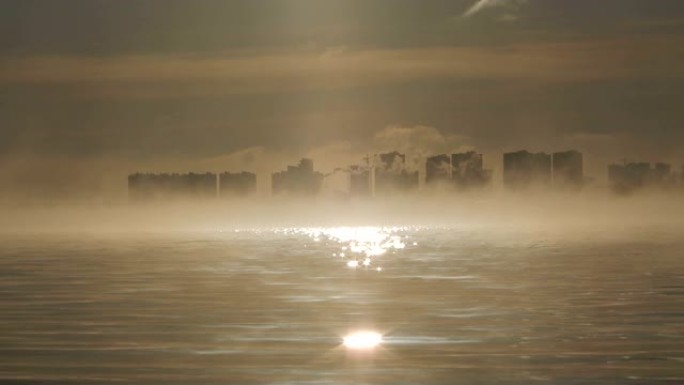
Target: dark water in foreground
pixel 455 306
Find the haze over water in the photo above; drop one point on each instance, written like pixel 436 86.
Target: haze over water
pixel 300 192
pixel 471 302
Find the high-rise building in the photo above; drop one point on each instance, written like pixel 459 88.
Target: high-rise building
pixel 297 180
pixel 568 170
pixel 305 165
pixel 359 181
pixel 438 170
pixel 661 175
pixel 468 170
pixel 392 161
pixel 523 169
pixel 237 184
pixel 391 175
pixel 629 177
pixel 625 178
pixel 145 187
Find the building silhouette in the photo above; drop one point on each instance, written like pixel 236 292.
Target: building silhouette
pixel 661 175
pixel 388 173
pixel 629 177
pixel 237 184
pixel 297 180
pixel 524 169
pixel 461 170
pixel 391 175
pixel 438 170
pixel 468 170
pixel 359 181
pixel 625 178
pixel 146 187
pixel 568 170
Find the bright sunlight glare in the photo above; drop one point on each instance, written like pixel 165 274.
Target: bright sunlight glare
pixel 364 340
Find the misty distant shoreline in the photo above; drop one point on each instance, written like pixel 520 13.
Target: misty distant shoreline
pixel 600 211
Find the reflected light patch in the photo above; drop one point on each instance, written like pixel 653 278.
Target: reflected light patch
pixel 364 340
pixel 359 246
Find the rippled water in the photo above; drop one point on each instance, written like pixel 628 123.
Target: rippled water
pixel 455 306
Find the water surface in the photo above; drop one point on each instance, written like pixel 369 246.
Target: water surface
pixel 455 305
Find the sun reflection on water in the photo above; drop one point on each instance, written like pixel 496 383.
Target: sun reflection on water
pixel 362 340
pixel 358 247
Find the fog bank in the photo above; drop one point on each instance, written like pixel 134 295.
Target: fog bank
pixel 585 212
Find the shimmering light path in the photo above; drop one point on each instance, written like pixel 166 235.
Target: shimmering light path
pixel 264 306
pixel 359 246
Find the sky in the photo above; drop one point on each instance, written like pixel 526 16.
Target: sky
pixel 91 90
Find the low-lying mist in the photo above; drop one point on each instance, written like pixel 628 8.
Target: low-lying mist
pixel 584 212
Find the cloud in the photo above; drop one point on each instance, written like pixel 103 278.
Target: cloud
pixel 164 76
pixel 418 140
pixel 28 176
pixel 414 141
pixel 249 159
pixel 335 154
pixel 481 5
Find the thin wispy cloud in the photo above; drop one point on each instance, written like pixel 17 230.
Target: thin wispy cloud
pixel 481 5
pixel 164 75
